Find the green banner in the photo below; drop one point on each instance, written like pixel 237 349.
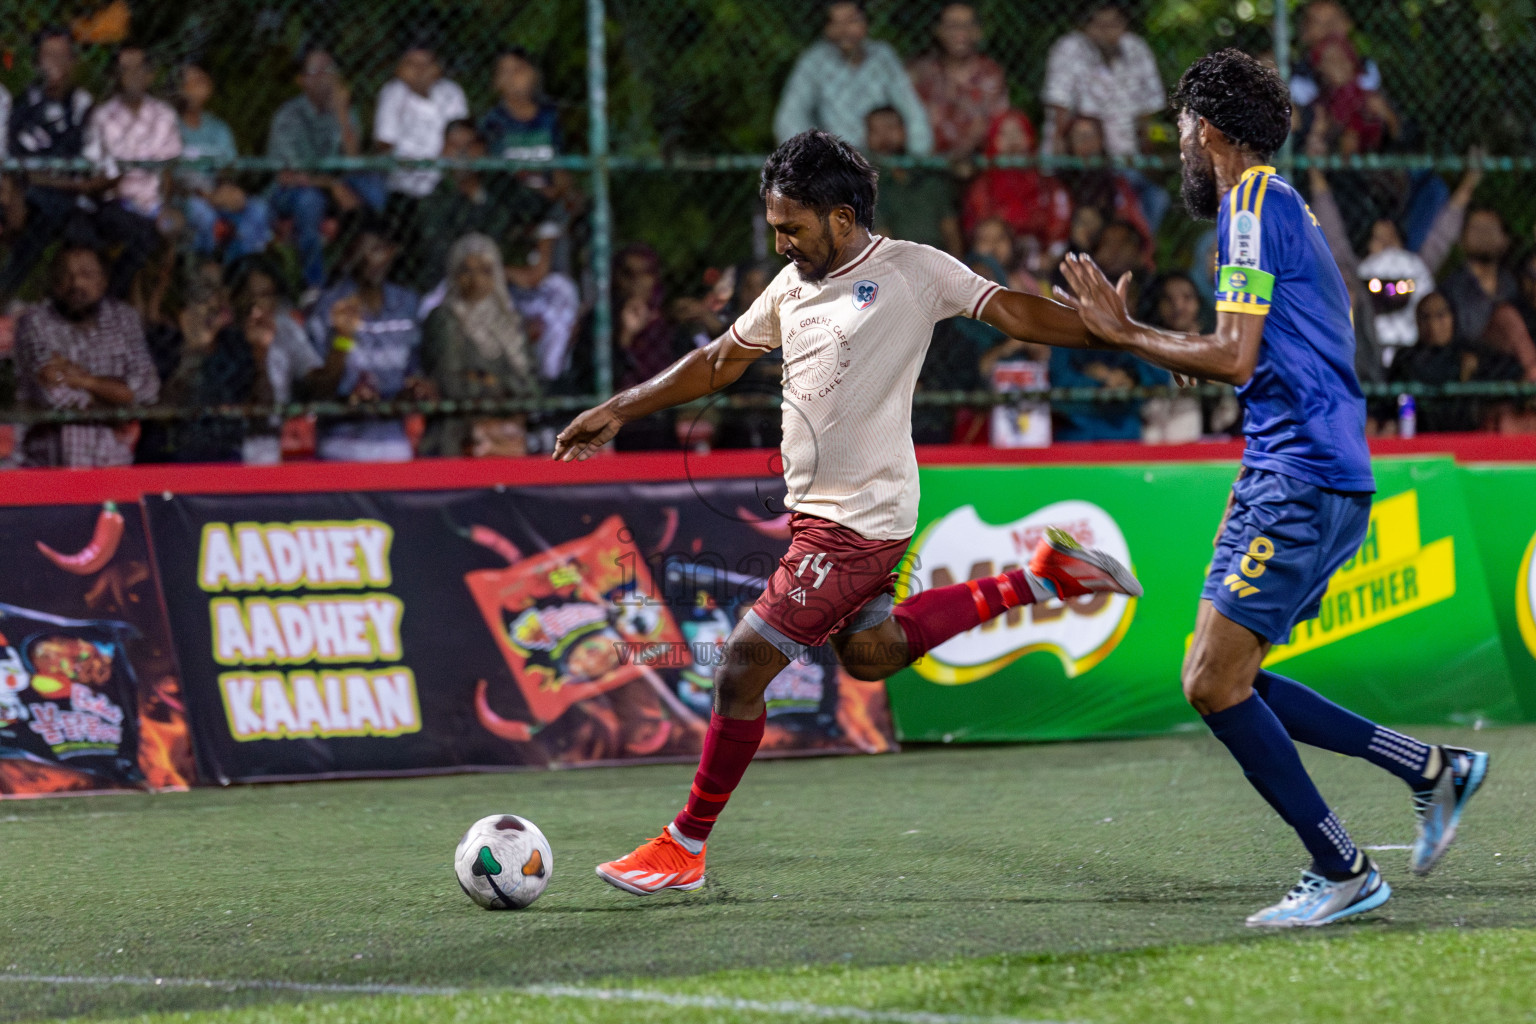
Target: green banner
pixel 1406 633
pixel 1504 500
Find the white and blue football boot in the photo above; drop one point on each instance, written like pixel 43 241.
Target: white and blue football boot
pixel 1317 901
pixel 1439 807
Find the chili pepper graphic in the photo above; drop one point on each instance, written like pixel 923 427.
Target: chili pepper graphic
pixel 96 554
pixel 487 537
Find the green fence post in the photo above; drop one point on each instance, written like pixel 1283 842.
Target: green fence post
pixel 1287 165
pixel 602 212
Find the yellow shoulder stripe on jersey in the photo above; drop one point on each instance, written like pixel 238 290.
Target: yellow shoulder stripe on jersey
pixel 1227 306
pixel 1258 200
pixel 1255 182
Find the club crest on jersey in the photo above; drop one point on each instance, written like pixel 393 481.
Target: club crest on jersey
pixel 864 293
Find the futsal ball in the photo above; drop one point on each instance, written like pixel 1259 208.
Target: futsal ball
pixel 503 862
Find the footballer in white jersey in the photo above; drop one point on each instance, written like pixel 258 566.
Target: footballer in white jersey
pixel 853 313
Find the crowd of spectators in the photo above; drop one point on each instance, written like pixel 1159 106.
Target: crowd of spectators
pixel 196 285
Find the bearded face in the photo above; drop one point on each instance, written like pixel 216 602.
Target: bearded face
pixel 1197 174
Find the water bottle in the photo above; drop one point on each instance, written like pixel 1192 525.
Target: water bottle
pixel 1407 416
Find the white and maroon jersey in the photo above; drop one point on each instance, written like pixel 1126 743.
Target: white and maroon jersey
pixel 853 345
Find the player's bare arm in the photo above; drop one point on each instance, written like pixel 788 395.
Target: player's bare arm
pixel 1037 319
pixel 1229 354
pixel 701 372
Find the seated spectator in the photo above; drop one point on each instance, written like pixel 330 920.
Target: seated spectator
pixel 82 350
pixel 993 241
pixel 461 204
pixel 1442 356
pixel 1014 195
pixel 317 125
pixel 1110 192
pixel 1483 292
pixel 524 126
pixel 1093 368
pixel 48 120
pixel 372 322
pixel 1106 72
pixel 1352 118
pixel 962 89
pixel 643 342
pixel 294 370
pixel 473 346
pixel 549 303
pixel 1527 301
pixel 913 204
pixel 1319 21
pixel 1172 302
pixel 840 79
pixel 212 200
pixel 1123 249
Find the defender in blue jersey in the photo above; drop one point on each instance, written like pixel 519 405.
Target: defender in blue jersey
pixel 1300 508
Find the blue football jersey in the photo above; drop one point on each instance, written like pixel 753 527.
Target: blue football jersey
pixel 1303 411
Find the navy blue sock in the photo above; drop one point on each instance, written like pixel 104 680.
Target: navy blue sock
pixel 1259 742
pixel 1315 720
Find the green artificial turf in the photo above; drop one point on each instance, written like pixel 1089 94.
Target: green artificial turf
pixel 1091 881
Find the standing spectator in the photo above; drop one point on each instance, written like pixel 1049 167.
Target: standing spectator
pixel 82 350
pixel 912 203
pixel 210 198
pixel 474 347
pixel 1354 119
pixel 1105 71
pixel 1014 195
pixel 962 89
pixel 372 322
pixel 413 113
pixel 841 78
pixel 313 126
pixel 524 125
pixel 48 120
pixel 1483 292
pixel 132 125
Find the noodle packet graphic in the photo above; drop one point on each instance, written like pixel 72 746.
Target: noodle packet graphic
pixel 576 620
pixel 68 694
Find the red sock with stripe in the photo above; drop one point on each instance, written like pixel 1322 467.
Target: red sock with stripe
pixel 934 616
pixel 729 746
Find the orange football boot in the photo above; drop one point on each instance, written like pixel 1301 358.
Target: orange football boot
pixel 661 863
pixel 1072 570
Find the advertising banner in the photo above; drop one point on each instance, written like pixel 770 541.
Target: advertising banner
pixel 89 692
pixel 1406 632
pixel 1504 498
pixel 405 632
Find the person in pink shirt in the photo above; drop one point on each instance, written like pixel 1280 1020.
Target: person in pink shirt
pixel 962 88
pixel 132 125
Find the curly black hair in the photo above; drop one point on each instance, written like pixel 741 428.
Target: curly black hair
pixel 1246 100
pixel 821 171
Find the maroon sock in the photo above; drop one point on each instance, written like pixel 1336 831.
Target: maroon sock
pixel 728 748
pixel 932 617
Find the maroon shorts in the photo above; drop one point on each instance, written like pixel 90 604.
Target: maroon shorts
pixel 824 583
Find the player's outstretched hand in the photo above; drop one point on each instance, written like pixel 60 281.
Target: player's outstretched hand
pixel 586 434
pixel 1099 303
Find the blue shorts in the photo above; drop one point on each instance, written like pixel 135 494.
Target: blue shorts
pixel 1282 541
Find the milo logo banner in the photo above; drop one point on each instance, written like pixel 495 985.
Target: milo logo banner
pixel 1406 631
pixel 90 697
pixel 365 634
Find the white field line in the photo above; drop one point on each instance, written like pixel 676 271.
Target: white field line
pixel 782 1008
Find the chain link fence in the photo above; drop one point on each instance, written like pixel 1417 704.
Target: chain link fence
pixel 648 174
